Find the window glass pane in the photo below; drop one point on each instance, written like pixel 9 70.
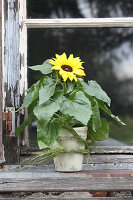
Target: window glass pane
pixel 79 8
pixel 108 57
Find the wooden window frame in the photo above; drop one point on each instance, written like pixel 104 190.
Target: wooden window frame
pixel 78 23
pixel 14 85
pixel 1 144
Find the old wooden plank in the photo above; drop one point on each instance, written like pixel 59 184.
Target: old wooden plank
pixel 42 179
pixel 30 172
pixel 1 99
pixel 58 198
pixel 67 184
pixel 112 150
pixel 24 142
pixel 11 73
pixel 83 22
pixel 103 159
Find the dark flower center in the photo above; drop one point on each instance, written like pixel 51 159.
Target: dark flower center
pixel 67 68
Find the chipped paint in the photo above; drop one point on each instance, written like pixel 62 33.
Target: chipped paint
pixel 11 60
pixel 2 158
pixel 23 47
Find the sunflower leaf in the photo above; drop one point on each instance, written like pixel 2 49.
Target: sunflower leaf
pixel 96 121
pixel 46 90
pixel 31 118
pixel 108 111
pixel 78 106
pixel 31 96
pixel 45 68
pixel 46 111
pixel 47 133
pixel 94 89
pixel 101 133
pixel 70 86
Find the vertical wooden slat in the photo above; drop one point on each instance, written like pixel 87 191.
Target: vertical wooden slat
pixel 11 74
pixel 1 145
pixel 23 65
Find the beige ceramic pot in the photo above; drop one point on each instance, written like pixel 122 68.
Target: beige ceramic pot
pixel 68 162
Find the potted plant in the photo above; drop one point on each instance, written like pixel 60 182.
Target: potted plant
pixel 67 111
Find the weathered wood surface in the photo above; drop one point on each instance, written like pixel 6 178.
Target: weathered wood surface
pixel 1 100
pixel 42 180
pixel 11 73
pixel 66 184
pixel 83 22
pixel 91 198
pixel 112 149
pixel 114 159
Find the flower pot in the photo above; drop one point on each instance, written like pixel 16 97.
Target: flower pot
pixel 68 162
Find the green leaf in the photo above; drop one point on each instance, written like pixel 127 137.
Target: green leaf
pixel 45 68
pixel 27 100
pixel 46 90
pixel 47 133
pixel 94 89
pixel 70 87
pixel 108 111
pixel 46 111
pixel 96 120
pixel 78 106
pixel 117 119
pixel 101 133
pixel 31 118
pixel 31 96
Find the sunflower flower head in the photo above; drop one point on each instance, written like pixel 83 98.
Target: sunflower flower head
pixel 69 68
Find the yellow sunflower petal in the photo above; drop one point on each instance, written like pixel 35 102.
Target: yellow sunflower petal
pixel 68 67
pixel 61 72
pixel 75 78
pixel 57 56
pixel 65 76
pixel 70 57
pixel 64 56
pixel 52 62
pixel 56 67
pixel 71 76
pixel 79 72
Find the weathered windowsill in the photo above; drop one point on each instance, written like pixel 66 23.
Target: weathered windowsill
pixel 93 177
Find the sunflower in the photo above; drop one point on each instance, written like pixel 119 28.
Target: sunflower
pixel 68 67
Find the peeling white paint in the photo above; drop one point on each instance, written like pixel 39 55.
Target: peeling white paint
pixel 3 93
pixel 12 60
pixel 23 46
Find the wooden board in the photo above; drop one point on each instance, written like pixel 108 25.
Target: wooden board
pixel 91 198
pixel 66 184
pixel 11 74
pixel 44 180
pixel 108 158
pixel 1 100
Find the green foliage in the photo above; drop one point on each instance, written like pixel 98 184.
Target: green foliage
pixel 48 132
pixel 46 90
pixel 95 90
pixel 108 111
pixel 32 95
pixel 56 104
pixel 78 106
pixel 46 110
pixel 101 133
pixel 96 120
pixel 45 68
pixel 31 118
